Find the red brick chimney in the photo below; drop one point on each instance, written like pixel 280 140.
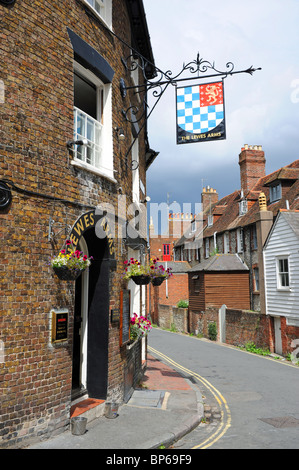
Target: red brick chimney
pixel 252 166
pixel 209 196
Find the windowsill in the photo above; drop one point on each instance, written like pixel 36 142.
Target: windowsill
pixel 96 171
pixel 284 289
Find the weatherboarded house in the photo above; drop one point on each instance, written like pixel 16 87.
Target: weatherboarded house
pixel 281 257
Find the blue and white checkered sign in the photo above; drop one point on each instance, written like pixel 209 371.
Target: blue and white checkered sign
pixel 200 109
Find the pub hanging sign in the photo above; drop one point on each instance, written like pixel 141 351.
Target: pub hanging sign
pixel 200 113
pixel 59 325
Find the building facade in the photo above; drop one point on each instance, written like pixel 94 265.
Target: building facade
pixel 72 164
pixel 240 222
pixel 281 259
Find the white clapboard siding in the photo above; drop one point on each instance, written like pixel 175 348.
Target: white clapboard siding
pixel 282 241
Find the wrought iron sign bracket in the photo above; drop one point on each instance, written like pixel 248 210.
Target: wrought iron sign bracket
pixel 198 69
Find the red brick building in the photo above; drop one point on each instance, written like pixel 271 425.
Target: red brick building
pixel 161 246
pixel 63 64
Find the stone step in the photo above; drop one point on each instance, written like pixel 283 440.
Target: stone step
pixel 90 408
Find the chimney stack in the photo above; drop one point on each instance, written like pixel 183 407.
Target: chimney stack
pixel 209 196
pixel 252 166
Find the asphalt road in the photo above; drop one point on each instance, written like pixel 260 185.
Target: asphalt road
pixel 255 398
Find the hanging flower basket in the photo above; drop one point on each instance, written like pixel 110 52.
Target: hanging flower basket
pixel 69 264
pixel 136 271
pixel 65 274
pixel 141 280
pixel 158 273
pixel 139 326
pixel 157 281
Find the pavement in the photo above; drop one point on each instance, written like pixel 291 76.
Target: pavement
pixel 164 409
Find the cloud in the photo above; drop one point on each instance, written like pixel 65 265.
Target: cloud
pixel 262 109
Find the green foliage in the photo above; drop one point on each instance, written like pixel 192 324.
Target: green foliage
pixel 212 331
pixel 183 304
pixel 251 347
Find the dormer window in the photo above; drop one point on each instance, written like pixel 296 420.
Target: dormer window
pixel 243 207
pixel 275 192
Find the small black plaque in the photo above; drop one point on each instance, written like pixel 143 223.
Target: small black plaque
pixel 59 326
pixel 115 315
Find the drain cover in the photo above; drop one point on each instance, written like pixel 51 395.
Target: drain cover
pixel 283 422
pixel 153 398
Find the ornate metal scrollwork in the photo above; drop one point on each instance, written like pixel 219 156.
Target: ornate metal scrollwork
pixel 158 85
pixel 198 69
pixel 7 3
pixel 5 195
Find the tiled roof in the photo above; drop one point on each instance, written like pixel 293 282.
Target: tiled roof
pixel 226 210
pixel 221 262
pixel 176 266
pixel 230 218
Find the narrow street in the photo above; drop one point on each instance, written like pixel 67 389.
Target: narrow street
pixel 251 401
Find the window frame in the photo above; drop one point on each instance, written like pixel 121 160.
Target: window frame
pixel 207 248
pixel 275 192
pixel 105 165
pixel 256 279
pixel 243 207
pixel 226 247
pixel 285 274
pixel 254 238
pixel 106 6
pixel 240 240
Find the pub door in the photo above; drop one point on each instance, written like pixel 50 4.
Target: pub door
pixel 91 321
pixel 79 374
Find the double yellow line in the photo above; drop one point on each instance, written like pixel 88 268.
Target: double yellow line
pixel 224 409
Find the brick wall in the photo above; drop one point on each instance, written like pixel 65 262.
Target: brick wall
pixel 242 326
pixel 173 317
pixel 36 121
pixel 171 294
pixel 289 333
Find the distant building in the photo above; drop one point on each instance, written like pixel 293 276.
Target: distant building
pixel 235 224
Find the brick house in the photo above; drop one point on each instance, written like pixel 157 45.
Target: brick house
pixel 63 63
pixel 240 222
pixel 161 247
